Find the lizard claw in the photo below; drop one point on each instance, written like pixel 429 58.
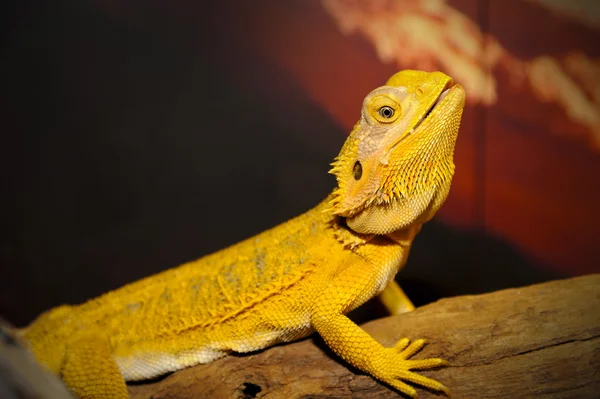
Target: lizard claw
pixel 396 368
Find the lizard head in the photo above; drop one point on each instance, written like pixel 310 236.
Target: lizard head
pixel 396 166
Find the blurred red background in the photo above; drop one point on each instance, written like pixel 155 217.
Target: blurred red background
pixel 139 135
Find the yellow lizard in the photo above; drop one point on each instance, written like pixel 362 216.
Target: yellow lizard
pixel 393 173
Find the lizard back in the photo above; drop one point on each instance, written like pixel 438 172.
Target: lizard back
pixel 197 301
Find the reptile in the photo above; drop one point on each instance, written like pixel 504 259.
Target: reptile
pixel 393 173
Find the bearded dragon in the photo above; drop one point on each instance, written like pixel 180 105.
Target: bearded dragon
pixel 393 173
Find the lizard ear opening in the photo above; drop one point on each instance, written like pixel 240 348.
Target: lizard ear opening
pixel 357 170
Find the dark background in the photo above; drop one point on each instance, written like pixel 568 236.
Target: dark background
pixel 140 135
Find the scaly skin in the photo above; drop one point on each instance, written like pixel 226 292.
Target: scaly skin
pixel 393 173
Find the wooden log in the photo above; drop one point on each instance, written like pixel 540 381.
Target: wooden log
pixel 541 341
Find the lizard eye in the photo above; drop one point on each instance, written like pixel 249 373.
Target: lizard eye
pixel 357 170
pixel 383 109
pixel 386 112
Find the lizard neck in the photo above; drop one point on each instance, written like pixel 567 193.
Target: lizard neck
pixel 394 247
pixel 352 239
pixel 405 236
pixel 346 236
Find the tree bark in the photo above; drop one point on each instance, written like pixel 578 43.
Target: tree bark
pixel 541 341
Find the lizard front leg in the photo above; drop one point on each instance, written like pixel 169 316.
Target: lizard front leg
pixel 393 297
pixel 390 365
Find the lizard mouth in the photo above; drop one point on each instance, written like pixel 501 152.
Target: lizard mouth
pixel 443 94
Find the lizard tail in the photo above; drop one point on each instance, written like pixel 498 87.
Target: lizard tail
pixel 9 334
pixel 20 375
